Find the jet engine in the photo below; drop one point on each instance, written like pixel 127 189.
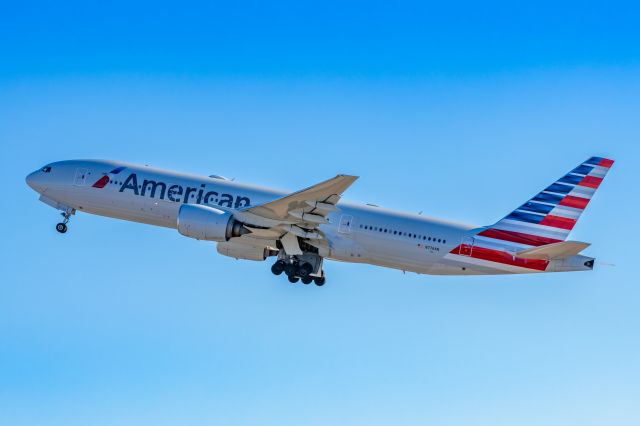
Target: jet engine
pixel 245 251
pixel 206 223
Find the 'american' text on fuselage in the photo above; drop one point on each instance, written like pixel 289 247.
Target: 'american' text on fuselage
pixel 180 194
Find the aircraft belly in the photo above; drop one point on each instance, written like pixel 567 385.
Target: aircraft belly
pixel 424 260
pixel 120 206
pixel 399 254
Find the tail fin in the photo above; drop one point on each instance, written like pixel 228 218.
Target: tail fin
pixel 548 217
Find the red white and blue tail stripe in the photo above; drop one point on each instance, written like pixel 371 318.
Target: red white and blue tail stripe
pixel 546 218
pixel 551 215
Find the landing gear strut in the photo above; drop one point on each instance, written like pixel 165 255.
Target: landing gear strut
pixel 62 226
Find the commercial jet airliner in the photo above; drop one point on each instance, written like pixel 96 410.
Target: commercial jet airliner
pixel 301 229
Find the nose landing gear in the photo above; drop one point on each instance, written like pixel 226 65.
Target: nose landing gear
pixel 62 226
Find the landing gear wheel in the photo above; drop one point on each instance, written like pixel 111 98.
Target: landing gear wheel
pixel 293 279
pixel 290 269
pixel 278 267
pixel 305 269
pixel 319 281
pixel 62 226
pixel 306 280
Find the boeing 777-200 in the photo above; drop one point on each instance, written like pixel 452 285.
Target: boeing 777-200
pixel 301 229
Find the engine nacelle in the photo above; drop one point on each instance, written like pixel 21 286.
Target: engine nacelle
pixel 245 251
pixel 207 223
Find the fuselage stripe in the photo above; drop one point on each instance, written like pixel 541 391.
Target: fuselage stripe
pixel 499 257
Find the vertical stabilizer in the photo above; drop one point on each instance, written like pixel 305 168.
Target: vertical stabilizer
pixel 550 216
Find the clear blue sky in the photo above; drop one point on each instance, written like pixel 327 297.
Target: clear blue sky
pixel 461 111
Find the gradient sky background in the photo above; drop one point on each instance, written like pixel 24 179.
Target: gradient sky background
pixel 462 111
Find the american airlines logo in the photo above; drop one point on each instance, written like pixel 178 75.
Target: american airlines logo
pixel 175 193
pixel 104 180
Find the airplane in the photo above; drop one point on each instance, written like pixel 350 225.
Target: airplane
pixel 301 229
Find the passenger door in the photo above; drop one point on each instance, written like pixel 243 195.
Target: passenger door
pixel 466 246
pixel 80 178
pixel 345 224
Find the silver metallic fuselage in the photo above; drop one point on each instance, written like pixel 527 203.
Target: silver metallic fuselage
pixel 355 232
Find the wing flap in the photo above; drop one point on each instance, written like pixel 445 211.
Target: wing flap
pixel 297 215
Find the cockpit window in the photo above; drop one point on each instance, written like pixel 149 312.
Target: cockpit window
pixel 46 169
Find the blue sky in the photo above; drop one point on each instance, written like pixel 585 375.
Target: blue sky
pixel 460 111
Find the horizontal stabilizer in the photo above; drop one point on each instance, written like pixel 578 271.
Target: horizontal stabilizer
pixel 559 250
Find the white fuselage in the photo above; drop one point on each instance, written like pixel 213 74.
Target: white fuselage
pixel 355 232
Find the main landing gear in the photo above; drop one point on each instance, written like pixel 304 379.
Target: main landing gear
pixel 62 226
pixel 300 270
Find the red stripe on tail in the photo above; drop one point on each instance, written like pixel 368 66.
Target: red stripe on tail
pixel 605 162
pixel 575 202
pixel 517 237
pixel 590 181
pixel 558 222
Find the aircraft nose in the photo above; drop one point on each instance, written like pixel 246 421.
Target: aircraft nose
pixel 34 180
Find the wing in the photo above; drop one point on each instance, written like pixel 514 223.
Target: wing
pixel 296 215
pixel 316 199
